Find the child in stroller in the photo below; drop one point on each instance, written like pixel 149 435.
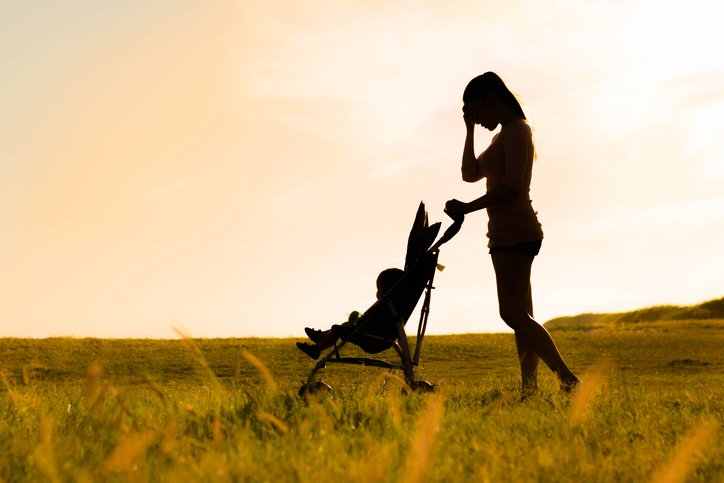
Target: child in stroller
pixel 382 326
pixel 324 339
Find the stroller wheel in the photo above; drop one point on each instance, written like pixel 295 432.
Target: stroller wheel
pixel 315 389
pixel 423 386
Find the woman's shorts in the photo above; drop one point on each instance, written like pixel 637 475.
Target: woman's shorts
pixel 530 248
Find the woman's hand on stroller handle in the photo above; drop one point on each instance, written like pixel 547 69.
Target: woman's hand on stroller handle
pixel 458 218
pixel 455 209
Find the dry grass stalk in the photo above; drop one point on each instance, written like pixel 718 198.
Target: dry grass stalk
pixel 370 398
pixel 271 384
pixel 394 406
pixel 417 465
pixel 688 452
pixel 44 453
pixel 155 388
pixel 96 390
pixel 324 418
pixel 126 458
pixel 191 343
pixel 7 386
pixel 502 400
pixel 585 393
pixel 273 420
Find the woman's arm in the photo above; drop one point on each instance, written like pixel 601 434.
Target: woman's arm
pixel 470 168
pixel 496 195
pixel 517 145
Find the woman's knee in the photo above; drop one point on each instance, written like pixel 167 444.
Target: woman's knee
pixel 514 318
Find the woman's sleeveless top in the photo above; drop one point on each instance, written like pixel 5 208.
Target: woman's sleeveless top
pixel 513 220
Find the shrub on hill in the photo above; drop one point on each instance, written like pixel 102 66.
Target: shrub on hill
pixel 712 309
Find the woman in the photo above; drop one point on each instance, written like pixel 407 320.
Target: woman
pixel 514 233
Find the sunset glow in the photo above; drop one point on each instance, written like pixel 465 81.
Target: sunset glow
pixel 247 168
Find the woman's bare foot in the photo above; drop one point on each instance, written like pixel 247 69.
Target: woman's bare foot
pixel 571 385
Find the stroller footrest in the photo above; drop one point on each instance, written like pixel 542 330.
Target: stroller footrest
pixel 365 361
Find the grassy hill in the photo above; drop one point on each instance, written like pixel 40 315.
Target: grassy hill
pixel 712 309
pixel 650 410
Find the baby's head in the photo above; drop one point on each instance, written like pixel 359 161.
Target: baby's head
pixel 387 279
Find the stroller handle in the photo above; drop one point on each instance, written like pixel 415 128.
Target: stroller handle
pixel 452 230
pixel 456 217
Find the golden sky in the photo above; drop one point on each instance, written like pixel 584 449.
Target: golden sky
pixel 247 168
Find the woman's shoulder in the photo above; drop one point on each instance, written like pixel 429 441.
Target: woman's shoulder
pixel 518 126
pixel 517 131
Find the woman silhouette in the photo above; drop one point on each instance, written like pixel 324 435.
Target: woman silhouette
pixel 514 233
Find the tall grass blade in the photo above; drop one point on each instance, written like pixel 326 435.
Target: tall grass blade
pixel 417 465
pixel 7 386
pixel 500 401
pixel 202 360
pixel 324 418
pixel 127 457
pixel 688 452
pixel 44 453
pixel 586 392
pixel 268 378
pixel 274 420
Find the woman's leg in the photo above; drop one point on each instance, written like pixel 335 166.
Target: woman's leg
pixel 527 356
pixel 512 274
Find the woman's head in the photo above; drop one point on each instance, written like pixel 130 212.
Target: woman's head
pixel 487 92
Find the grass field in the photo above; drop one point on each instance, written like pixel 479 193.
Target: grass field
pixel 227 410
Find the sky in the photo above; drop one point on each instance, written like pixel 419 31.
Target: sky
pixel 248 168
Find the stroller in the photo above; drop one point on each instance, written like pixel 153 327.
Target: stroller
pixel 383 325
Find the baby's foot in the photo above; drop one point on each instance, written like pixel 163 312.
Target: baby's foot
pixel 309 349
pixel 313 334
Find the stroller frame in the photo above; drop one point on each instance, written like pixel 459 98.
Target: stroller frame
pixel 401 346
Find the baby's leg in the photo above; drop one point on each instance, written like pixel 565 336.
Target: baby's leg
pixel 327 340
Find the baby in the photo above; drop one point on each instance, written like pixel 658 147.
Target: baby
pixel 324 339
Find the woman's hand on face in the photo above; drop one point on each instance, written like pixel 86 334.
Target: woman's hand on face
pixel 456 206
pixel 469 115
